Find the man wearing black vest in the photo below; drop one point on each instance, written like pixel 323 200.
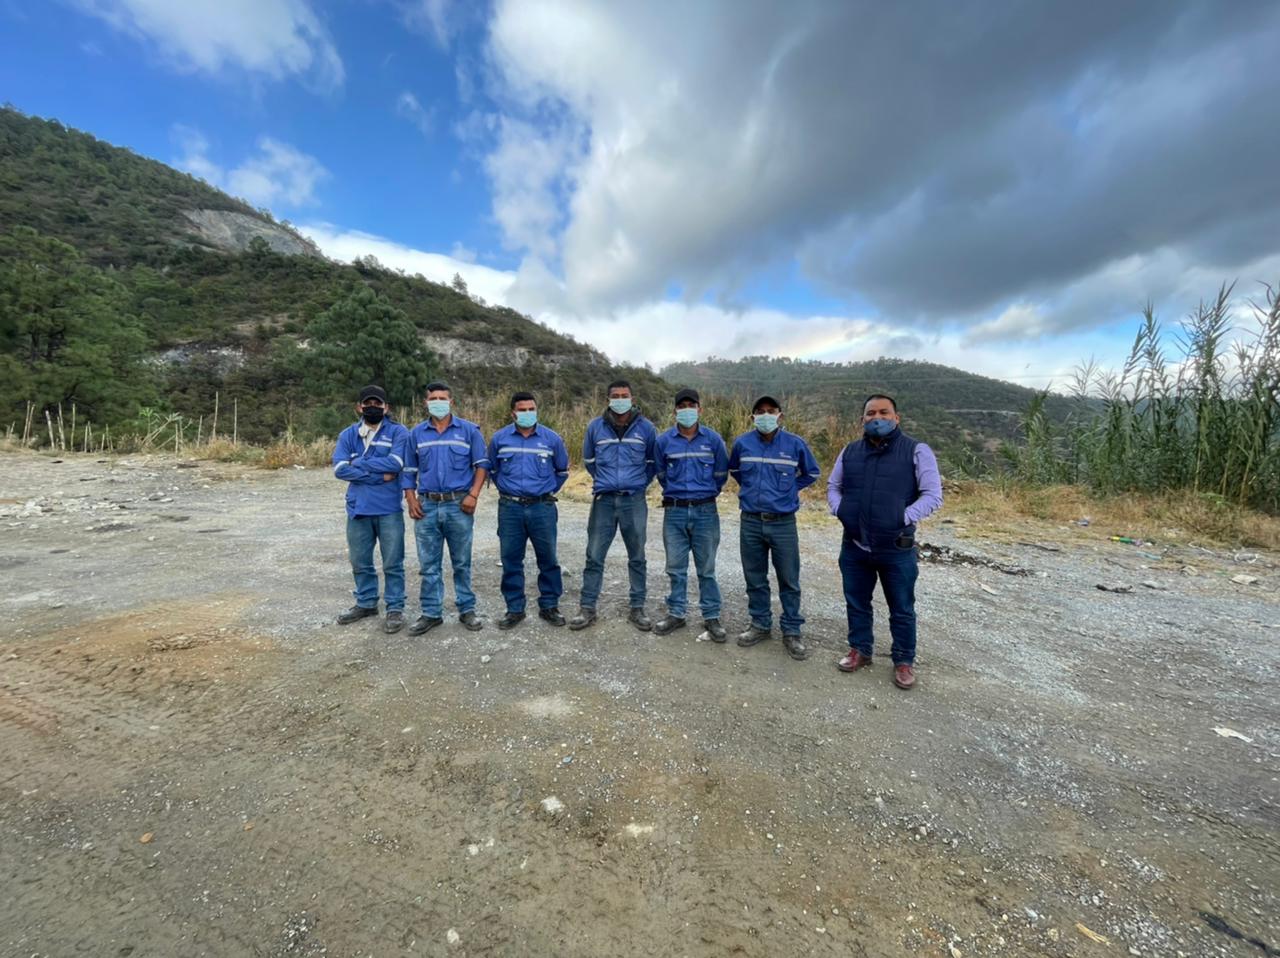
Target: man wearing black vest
pixel 881 486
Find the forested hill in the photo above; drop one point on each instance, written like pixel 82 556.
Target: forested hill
pixel 127 284
pixel 962 413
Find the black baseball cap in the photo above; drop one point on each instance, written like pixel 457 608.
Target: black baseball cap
pixel 766 399
pixel 687 393
pixel 372 392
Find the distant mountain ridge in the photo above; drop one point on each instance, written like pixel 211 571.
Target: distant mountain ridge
pixel 961 413
pixel 219 285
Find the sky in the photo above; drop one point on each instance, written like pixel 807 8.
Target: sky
pixel 994 185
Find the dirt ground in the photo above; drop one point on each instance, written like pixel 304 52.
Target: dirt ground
pixel 197 761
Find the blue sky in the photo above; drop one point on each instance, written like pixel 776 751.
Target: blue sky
pixel 997 186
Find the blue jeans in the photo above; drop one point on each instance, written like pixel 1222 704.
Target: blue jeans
pixel 388 532
pixel 517 525
pixel 443 522
pixel 693 529
pixel 608 515
pixel 759 540
pixel 897 572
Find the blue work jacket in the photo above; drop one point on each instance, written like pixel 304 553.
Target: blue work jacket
pixel 694 468
pixel 369 493
pixel 771 474
pixel 444 461
pixel 619 463
pixel 533 465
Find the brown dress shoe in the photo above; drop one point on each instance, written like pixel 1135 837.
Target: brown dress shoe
pixel 853 661
pixel 904 676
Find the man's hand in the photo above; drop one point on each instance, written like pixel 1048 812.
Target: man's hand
pixel 468 505
pixel 415 507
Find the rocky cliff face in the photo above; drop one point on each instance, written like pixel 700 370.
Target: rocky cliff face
pixel 233 232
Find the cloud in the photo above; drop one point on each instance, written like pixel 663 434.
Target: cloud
pixel 278 174
pixel 408 108
pixel 437 19
pixel 998 156
pixel 271 38
pixel 662 331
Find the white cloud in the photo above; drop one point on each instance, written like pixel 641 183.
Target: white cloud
pixel 436 18
pixel 278 174
pixel 409 108
pixel 663 331
pixel 944 169
pixel 272 38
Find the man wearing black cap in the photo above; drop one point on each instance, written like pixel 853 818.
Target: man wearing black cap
pixel 771 466
pixel 692 467
pixel 369 457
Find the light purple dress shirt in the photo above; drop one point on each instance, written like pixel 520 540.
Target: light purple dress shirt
pixel 927 478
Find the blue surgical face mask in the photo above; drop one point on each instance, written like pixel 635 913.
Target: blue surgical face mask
pixel 687 417
pixel 766 422
pixel 620 407
pixel 879 428
pixel 438 408
pixel 527 419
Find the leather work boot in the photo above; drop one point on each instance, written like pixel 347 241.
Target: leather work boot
pixel 753 636
pixel 586 616
pixel 795 647
pixel 510 620
pixel 853 661
pixel 470 621
pixel 551 615
pixel 639 619
pixel 715 630
pixel 904 677
pixel 394 622
pixel 424 624
pixel 667 624
pixel 356 613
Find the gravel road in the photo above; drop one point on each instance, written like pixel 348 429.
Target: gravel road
pixel 197 761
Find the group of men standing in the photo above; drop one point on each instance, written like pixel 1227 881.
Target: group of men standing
pixel 881 486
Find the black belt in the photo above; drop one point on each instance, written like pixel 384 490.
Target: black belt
pixel 770 516
pixel 601 495
pixel 668 502
pixel 526 500
pixel 447 496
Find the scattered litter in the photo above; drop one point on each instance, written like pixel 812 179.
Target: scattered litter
pixel 986 588
pixel 1131 541
pixel 1232 733
pixel 1083 522
pixel 452 936
pixel 1115 588
pixel 147 838
pixel 406 730
pixel 703 637
pixel 486 659
pixel 1092 935
pixel 248 826
pixel 552 805
pixel 1150 584
pixel 635 831
pixel 1243 579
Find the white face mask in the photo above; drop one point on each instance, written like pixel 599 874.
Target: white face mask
pixel 438 408
pixel 621 406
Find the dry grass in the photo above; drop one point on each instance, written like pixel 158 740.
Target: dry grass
pixel 1004 508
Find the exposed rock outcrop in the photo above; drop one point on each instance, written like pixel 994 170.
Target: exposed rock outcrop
pixel 233 232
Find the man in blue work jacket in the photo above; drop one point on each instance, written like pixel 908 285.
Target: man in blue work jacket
pixel 618 452
pixel 771 466
pixel 693 466
pixel 530 464
pixel 369 457
pixel 442 478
